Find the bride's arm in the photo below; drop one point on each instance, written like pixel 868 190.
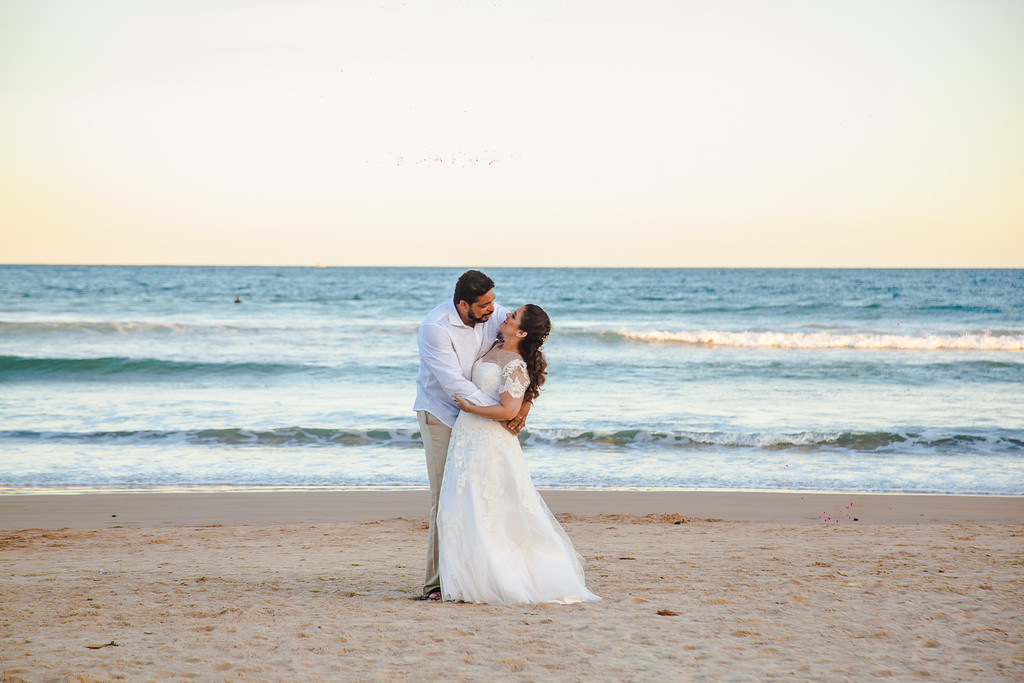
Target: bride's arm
pixel 506 410
pixel 514 380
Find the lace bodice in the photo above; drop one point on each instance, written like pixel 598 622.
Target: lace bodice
pixel 501 371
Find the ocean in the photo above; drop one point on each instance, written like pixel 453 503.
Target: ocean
pixel 153 378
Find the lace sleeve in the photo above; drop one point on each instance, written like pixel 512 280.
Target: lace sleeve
pixel 514 378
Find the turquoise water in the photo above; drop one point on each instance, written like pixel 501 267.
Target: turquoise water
pixel 850 380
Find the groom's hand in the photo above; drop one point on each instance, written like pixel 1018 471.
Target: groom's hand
pixel 515 425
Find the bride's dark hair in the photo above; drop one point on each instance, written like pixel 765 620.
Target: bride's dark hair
pixel 537 325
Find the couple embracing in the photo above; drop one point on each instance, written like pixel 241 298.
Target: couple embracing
pixel 492 538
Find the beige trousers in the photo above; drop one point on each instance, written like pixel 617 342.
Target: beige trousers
pixel 436 435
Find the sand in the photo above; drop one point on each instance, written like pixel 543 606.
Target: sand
pixel 323 586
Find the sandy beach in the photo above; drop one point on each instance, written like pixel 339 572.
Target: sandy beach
pixel 323 586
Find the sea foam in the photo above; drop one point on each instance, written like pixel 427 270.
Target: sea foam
pixel 832 340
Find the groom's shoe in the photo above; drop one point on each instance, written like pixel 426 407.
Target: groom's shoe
pixel 432 595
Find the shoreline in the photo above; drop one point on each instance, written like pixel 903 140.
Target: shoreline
pixel 262 508
pixel 72 491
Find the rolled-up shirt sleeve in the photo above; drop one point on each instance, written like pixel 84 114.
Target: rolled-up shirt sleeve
pixel 437 353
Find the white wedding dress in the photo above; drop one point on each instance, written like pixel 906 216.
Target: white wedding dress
pixel 499 543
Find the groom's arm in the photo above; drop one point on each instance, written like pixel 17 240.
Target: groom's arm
pixel 506 410
pixel 437 352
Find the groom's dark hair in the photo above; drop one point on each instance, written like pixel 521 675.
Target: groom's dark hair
pixel 471 286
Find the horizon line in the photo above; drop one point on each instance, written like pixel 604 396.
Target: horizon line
pixel 479 266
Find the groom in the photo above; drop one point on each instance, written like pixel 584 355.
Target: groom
pixel 451 338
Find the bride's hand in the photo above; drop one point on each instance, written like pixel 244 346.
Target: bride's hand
pixel 463 405
pixel 515 425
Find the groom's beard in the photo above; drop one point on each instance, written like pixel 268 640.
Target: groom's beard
pixel 482 319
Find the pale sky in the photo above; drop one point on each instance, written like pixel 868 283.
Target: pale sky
pixel 876 133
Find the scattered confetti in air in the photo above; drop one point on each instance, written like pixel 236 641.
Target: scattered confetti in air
pixel 454 159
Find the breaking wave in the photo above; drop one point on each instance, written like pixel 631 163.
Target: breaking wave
pixel 925 441
pixel 987 341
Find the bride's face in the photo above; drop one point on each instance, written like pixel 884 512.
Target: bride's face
pixel 510 327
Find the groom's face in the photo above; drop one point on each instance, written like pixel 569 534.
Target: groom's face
pixel 481 310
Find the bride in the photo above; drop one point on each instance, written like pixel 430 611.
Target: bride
pixel 499 543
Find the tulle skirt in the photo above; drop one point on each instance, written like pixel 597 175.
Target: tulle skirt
pixel 499 542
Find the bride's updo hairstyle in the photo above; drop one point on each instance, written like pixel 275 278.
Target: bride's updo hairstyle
pixel 537 325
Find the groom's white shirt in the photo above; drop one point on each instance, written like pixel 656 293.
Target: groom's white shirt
pixel 448 349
